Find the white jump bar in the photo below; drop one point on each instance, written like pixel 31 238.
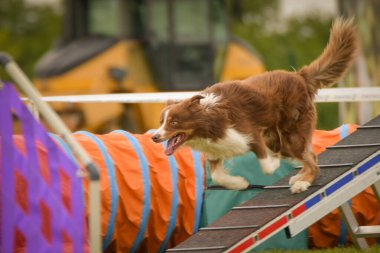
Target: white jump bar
pixel 131 98
pixel 324 95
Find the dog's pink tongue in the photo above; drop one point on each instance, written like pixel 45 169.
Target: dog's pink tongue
pixel 170 146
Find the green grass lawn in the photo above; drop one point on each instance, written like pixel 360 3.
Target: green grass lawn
pixel 375 249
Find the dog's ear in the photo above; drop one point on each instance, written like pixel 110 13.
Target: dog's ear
pixel 172 102
pixel 196 99
pixel 194 103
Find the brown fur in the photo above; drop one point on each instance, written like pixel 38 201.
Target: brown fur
pixel 275 109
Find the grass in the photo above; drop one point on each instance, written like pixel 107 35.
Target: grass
pixel 374 249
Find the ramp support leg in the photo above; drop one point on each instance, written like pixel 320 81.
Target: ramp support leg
pixel 352 226
pixel 376 190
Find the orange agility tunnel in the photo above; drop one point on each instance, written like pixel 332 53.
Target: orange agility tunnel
pixel 149 201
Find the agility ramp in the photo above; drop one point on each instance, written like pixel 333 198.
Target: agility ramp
pixel 347 168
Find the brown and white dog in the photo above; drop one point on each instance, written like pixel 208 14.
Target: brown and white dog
pixel 271 114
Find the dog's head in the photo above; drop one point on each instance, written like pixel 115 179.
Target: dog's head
pixel 179 120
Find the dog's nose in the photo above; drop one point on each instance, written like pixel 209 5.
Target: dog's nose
pixel 156 138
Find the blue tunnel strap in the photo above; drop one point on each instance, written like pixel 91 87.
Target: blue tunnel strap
pixel 113 186
pixel 344 131
pixel 65 147
pixel 68 151
pixel 198 166
pixel 199 178
pixel 146 185
pixel 175 200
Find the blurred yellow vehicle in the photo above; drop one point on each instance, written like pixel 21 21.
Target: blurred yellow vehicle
pixel 119 46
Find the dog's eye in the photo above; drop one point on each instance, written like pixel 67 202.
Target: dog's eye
pixel 173 123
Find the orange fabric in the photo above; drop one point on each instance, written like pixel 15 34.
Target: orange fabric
pixel 325 233
pixel 323 139
pixel 96 155
pixel 161 195
pixel 186 179
pixel 130 188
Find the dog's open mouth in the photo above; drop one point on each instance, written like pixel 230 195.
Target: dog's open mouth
pixel 174 143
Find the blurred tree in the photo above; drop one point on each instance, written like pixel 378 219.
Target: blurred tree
pixel 366 71
pixel 283 44
pixel 27 31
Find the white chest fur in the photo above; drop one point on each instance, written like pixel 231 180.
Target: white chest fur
pixel 234 143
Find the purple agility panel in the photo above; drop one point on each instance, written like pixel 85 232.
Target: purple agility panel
pixel 50 215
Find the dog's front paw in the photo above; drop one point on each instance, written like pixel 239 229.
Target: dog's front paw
pixel 294 179
pixel 299 186
pixel 230 182
pixel 269 165
pixel 236 183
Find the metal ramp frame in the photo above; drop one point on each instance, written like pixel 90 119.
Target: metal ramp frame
pixel 347 168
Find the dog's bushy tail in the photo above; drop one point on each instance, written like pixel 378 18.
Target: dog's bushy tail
pixel 336 57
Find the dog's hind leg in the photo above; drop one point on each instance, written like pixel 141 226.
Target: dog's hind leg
pixel 221 177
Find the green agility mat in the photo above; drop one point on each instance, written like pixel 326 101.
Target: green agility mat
pixel 219 202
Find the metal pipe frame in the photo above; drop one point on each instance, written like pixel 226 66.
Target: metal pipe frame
pixel 369 127
pixel 325 166
pixel 259 207
pixel 355 146
pixel 228 227
pixel 250 187
pixel 196 249
pixel 59 127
